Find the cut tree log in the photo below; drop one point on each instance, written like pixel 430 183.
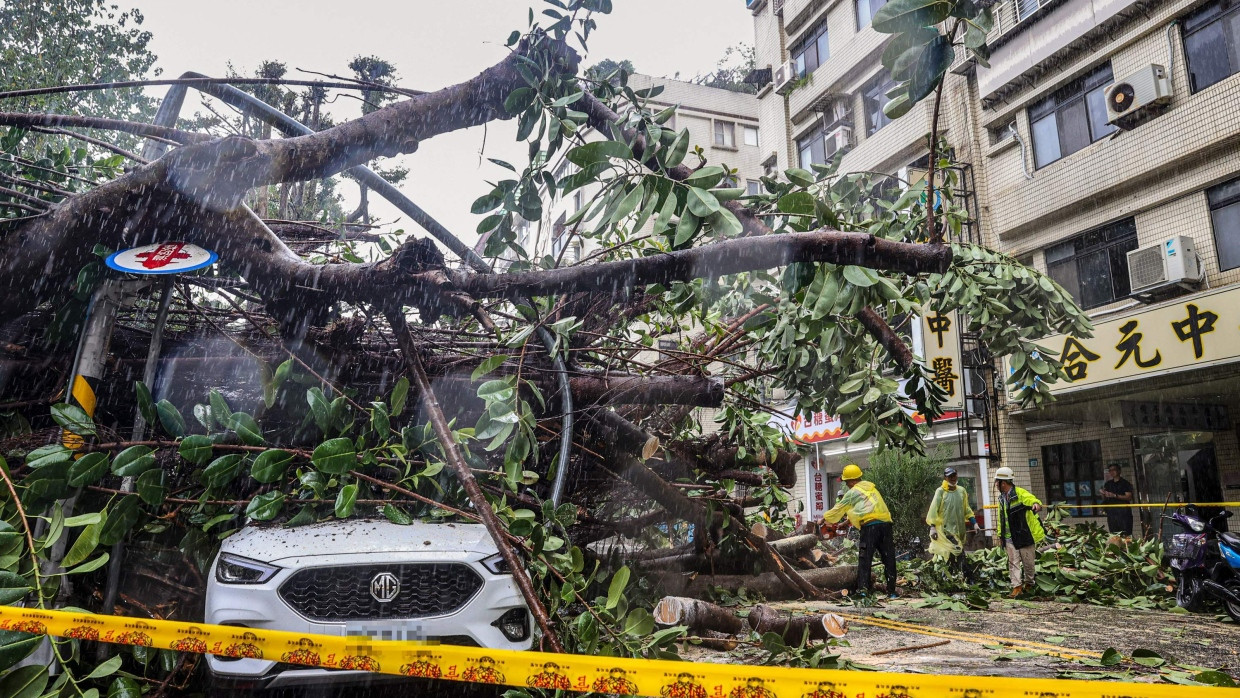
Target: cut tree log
pixel 819 628
pixel 766 584
pixel 765 532
pixel 794 546
pixel 697 615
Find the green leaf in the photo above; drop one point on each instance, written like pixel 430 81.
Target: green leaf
pixel 930 68
pixel 490 364
pixel 146 404
pixel 247 429
pixel 628 204
pixel 265 507
pixel 400 393
pixel 726 223
pixel 904 48
pixel 88 469
pixel 150 487
pixel 598 151
pixel 335 456
pixel 1111 657
pixel 345 500
pixel 106 669
pixel 1215 678
pixel 82 548
pixel 686 228
pixel 196 449
pixel 15 646
pixel 1148 658
pixel 120 520
pixel 48 455
pixel 898 106
pixel 707 178
pixel 701 202
pixel 619 582
pixel 675 153
pixel 519 100
pixel 860 276
pixel 799 176
pixel 25 682
pixel 73 418
pixel 798 202
pixel 320 409
pixel 124 687
pixel 396 516
pixel 910 15
pixel 269 466
pixel 133 461
pixel 13 588
pixel 170 418
pixel 221 471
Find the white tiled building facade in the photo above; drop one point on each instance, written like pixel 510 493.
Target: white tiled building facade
pixel 1061 189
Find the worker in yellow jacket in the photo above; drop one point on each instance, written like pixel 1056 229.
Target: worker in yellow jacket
pixel 948 517
pixel 867 511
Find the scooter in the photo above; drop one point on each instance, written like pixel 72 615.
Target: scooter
pixel 1206 561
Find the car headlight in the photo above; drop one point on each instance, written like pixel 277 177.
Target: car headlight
pixel 497 564
pixel 234 569
pixel 515 624
pixel 1196 525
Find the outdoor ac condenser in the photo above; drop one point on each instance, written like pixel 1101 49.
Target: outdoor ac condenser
pixel 784 77
pixel 1172 262
pixel 1138 96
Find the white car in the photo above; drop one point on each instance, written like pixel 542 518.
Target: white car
pixel 424 581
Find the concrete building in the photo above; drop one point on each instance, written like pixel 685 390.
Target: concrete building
pixel 1064 190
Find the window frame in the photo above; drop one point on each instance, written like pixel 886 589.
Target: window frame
pixel 875 92
pixel 724 128
pixel 1224 12
pixel 1085 96
pixel 871 8
pixel 1085 458
pixel 1225 197
pixel 1115 239
pixel 815 39
pixel 747 129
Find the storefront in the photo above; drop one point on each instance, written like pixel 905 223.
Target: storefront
pixel 1155 392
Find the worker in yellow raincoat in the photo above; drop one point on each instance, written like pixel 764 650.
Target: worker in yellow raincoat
pixel 866 510
pixel 949 518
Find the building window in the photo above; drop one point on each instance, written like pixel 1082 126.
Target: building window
pixel 751 135
pixel 1212 43
pixel 1073 474
pixel 725 134
pixel 1071 118
pixel 1225 217
pixel 1094 267
pixel 812 50
pixel 875 98
pixel 866 10
pixel 753 187
pixel 813 148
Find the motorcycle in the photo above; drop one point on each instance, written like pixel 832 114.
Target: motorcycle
pixel 1206 560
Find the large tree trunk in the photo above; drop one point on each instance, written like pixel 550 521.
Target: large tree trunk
pixel 764 619
pixel 697 615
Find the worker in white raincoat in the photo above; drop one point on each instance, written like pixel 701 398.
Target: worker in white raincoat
pixel 948 517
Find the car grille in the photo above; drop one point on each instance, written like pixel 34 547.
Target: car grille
pixel 343 593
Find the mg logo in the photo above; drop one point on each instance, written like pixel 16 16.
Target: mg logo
pixel 384 587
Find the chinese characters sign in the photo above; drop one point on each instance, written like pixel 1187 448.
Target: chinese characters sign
pixel 941 338
pixel 816 489
pixel 1189 334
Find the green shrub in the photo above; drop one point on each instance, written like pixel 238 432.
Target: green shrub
pixel 907 482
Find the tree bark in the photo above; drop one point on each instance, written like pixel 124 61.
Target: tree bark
pixel 767 584
pixel 818 628
pixel 696 615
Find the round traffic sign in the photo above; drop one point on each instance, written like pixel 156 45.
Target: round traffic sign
pixel 162 258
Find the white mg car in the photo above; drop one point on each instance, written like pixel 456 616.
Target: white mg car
pixel 424 581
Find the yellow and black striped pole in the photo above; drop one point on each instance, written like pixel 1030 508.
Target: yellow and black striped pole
pixel 92 353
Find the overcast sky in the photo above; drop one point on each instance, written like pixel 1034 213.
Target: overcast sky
pixel 432 44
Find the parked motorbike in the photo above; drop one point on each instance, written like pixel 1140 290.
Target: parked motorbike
pixel 1206 560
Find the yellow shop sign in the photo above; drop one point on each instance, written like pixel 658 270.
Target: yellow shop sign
pixel 1196 332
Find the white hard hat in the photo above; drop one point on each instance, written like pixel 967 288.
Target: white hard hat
pixel 1004 473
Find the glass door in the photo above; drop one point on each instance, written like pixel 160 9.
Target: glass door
pixel 1175 468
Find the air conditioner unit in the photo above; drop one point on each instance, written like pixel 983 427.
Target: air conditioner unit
pixel 839 138
pixel 785 75
pixel 754 5
pixel 1173 262
pixel 1138 96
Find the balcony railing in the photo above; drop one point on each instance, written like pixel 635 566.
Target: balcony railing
pixel 1010 14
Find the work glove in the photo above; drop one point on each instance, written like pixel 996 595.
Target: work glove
pixel 934 533
pixel 973 522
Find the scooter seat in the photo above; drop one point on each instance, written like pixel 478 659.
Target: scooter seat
pixel 1231 539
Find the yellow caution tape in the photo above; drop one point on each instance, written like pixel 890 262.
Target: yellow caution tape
pixel 640 677
pixel 1169 505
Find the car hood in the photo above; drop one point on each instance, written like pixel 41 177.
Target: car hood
pixel 357 536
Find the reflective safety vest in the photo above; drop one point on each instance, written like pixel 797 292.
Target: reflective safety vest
pixel 862 504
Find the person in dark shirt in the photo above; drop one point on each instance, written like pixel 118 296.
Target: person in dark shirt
pixel 1117 490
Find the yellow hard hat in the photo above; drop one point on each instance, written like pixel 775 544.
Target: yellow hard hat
pixel 851 472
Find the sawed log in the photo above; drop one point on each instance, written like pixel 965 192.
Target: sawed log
pixel 793 628
pixel 697 615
